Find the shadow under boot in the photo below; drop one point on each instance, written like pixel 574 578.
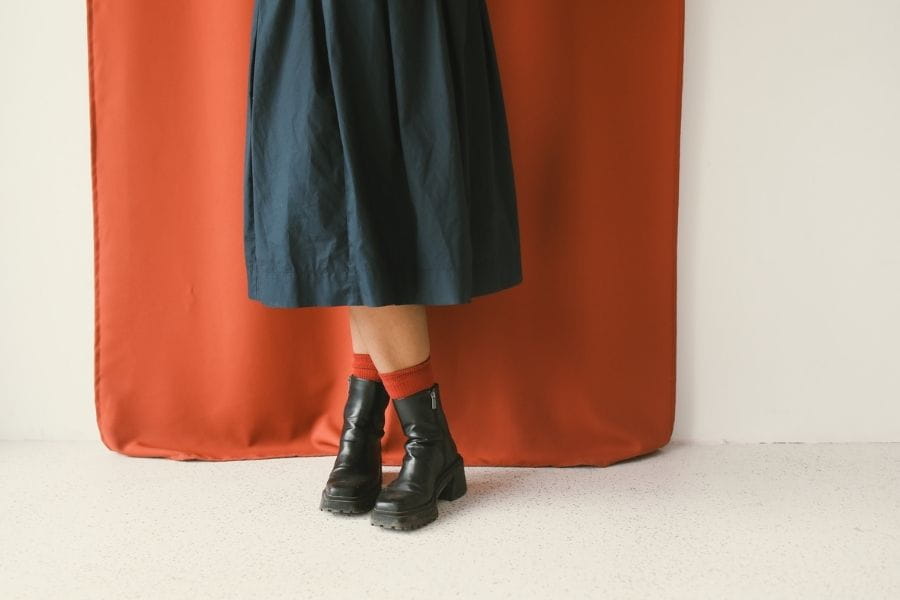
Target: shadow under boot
pixel 432 468
pixel 355 479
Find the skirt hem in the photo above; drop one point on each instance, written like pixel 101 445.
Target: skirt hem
pixel 280 290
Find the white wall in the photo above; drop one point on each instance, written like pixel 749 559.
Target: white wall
pixel 46 245
pixel 789 258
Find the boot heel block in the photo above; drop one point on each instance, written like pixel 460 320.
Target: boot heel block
pixel 456 486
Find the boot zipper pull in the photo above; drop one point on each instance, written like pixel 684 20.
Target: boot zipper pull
pixel 433 400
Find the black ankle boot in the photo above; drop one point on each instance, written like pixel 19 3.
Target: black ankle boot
pixel 355 479
pixel 431 469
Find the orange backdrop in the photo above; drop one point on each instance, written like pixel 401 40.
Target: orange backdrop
pixel 575 366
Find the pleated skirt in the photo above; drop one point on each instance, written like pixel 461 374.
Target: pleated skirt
pixel 377 168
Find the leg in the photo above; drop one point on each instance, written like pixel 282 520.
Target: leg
pixel 356 339
pixel 355 478
pixel 397 339
pixel 395 336
pixel 362 365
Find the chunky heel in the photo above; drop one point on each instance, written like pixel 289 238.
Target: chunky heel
pixel 456 487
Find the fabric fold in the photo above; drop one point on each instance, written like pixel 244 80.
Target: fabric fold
pixel 366 142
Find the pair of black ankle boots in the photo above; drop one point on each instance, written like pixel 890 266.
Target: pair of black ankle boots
pixel 432 468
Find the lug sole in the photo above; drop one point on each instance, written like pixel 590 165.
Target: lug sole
pixel 450 485
pixel 349 505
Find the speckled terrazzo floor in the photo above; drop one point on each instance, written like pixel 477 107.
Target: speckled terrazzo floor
pixel 690 521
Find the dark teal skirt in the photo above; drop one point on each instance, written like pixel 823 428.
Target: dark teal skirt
pixel 377 167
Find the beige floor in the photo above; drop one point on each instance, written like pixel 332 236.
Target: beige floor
pixel 690 521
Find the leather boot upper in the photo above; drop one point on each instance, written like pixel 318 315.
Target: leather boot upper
pixel 357 465
pixel 429 450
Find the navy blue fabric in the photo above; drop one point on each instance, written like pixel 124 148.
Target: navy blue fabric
pixel 377 168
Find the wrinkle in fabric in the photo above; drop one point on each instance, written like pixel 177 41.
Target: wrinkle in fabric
pixel 377 167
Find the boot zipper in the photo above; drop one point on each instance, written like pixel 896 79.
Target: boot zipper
pixel 433 400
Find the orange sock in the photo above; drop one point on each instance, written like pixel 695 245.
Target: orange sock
pixel 364 368
pixel 409 380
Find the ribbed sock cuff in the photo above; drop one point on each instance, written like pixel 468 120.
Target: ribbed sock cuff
pixel 364 368
pixel 409 380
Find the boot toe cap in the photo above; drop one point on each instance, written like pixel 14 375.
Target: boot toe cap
pixel 396 500
pixel 350 485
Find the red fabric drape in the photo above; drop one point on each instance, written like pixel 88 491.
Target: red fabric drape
pixel 575 366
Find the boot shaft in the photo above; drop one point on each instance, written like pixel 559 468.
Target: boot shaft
pixel 423 419
pixel 364 412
